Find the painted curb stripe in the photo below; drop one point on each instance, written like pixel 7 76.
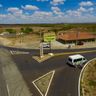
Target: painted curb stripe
pixel 66 53
pixel 73 52
pixel 82 73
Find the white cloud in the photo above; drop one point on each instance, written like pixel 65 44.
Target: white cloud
pixel 30 7
pixel 82 9
pixel 1 5
pixel 36 17
pixel 87 3
pixel 42 14
pixel 73 13
pixel 56 15
pixel 15 11
pixel 56 2
pixel 56 10
pixel 2 15
pixel 46 17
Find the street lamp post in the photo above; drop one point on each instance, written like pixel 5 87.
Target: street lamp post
pixel 41 46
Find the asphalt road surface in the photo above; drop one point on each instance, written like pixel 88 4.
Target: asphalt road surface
pixel 65 81
pixel 36 51
pixel 3 86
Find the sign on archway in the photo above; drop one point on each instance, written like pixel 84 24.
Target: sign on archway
pixel 48 37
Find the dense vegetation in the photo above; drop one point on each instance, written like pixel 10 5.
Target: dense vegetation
pixel 11 30
pixel 27 28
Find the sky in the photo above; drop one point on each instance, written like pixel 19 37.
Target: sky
pixel 47 11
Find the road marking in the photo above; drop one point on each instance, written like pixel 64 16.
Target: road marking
pixel 37 88
pixel 8 90
pixel 81 75
pixel 18 52
pixel 67 53
pixel 53 72
pixel 50 83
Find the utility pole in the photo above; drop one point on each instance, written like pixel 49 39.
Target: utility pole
pixel 77 35
pixel 41 45
pixel 50 46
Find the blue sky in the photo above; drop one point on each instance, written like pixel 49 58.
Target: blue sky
pixel 47 11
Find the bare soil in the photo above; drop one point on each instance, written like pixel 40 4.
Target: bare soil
pixel 25 41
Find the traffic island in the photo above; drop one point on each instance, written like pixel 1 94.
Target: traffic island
pixel 43 58
pixel 88 79
pixel 43 83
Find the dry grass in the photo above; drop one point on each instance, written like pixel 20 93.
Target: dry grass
pixel 88 80
pixel 43 82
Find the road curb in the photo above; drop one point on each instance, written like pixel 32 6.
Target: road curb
pixel 44 58
pixel 81 75
pixel 37 58
pixel 58 54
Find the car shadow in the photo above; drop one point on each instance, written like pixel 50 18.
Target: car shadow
pixel 71 65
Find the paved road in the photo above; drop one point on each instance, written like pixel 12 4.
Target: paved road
pixel 3 87
pixel 65 82
pixel 36 51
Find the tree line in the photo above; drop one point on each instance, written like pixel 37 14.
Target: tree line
pixel 26 30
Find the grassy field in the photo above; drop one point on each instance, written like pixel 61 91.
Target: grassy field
pixel 88 80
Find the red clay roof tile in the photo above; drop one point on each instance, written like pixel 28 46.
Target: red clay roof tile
pixel 75 36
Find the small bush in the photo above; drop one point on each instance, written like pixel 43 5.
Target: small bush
pixel 92 83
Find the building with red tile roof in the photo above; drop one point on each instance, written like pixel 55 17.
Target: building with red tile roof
pixel 76 36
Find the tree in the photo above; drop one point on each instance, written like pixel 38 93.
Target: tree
pixel 26 30
pixel 22 29
pixel 11 30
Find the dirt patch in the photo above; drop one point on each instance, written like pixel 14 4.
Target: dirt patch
pixel 4 41
pixel 24 41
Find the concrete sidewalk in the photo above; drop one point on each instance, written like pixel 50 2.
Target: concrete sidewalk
pixel 58 45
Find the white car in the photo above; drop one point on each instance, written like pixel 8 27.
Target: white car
pixel 46 45
pixel 76 60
